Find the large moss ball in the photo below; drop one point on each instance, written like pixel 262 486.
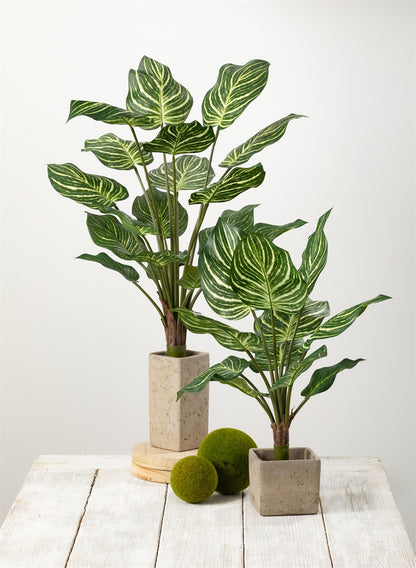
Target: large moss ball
pixel 193 479
pixel 227 449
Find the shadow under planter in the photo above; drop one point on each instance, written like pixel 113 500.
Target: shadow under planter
pixel 284 487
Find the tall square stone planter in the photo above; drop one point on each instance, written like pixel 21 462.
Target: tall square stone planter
pixel 177 425
pixel 284 487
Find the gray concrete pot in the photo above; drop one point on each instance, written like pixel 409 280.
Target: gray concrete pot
pixel 177 426
pixel 284 487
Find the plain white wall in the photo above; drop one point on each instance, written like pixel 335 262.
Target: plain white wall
pixel 76 337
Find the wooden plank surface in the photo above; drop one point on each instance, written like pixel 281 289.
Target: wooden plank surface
pixel 363 523
pixel 286 541
pixel 122 523
pixel 90 512
pixel 40 528
pixel 203 535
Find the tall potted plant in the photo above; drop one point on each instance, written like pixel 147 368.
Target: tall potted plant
pixel 149 238
pixel 257 278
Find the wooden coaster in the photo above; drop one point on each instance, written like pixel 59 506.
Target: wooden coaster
pixel 155 464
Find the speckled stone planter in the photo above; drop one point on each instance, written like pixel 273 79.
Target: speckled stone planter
pixel 286 487
pixel 177 426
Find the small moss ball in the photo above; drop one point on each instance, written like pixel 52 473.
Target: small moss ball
pixel 193 479
pixel 227 449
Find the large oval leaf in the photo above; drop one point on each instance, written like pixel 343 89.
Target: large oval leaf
pixel 107 232
pixel 191 174
pixel 102 258
pixel 256 143
pixel 106 113
pixel 143 214
pixel 298 367
pixel 214 264
pixel 226 335
pixel 190 137
pixel 236 182
pixel 243 218
pixel 154 94
pixel 236 87
pixel 89 189
pixel 117 153
pixel 271 232
pixel 264 277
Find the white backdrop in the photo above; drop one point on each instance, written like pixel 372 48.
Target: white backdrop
pixel 76 337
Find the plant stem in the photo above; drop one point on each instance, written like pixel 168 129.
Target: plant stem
pixel 260 399
pixel 304 401
pixel 151 301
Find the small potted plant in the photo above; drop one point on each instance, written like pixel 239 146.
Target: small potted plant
pixel 243 273
pixel 147 238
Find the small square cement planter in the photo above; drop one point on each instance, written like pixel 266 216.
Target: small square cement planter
pixel 287 487
pixel 177 425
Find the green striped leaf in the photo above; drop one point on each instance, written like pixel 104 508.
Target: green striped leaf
pixel 130 224
pixel 143 214
pixel 107 232
pixel 264 277
pixel 268 135
pixel 285 324
pixel 342 321
pixel 154 94
pixel 187 138
pixel 116 153
pixel 102 258
pixel 323 379
pixel 236 182
pixel 106 113
pixel 160 258
pixel 214 263
pixel 315 255
pixel 226 335
pixel 299 367
pixel 281 349
pixel 91 190
pixel 243 219
pixel 226 371
pixel 236 87
pixel 191 174
pixel 190 278
pixel 271 232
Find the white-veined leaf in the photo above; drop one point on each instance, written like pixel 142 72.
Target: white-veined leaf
pixel 106 113
pixel 236 182
pixel 271 232
pixel 226 335
pixel 186 138
pixel 315 255
pixel 117 153
pixel 102 258
pixel 217 246
pixel 268 135
pixel 191 174
pixel 236 87
pixel 154 94
pixel 107 232
pixel 89 189
pixel 227 370
pixel 323 379
pixel 299 367
pixel 143 214
pixel 264 277
pixel 190 278
pixel 243 219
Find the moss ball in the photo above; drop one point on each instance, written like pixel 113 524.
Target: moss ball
pixel 193 479
pixel 227 449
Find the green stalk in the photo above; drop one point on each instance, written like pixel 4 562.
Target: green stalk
pixel 289 391
pixel 176 236
pixel 150 300
pixel 260 399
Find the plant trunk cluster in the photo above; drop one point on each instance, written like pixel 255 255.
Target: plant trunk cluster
pixel 281 440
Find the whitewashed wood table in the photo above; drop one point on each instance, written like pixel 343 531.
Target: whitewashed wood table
pixel 90 512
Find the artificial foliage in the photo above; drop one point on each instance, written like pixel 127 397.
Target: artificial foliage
pixel 170 172
pixel 244 273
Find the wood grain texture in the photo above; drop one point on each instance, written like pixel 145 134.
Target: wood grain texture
pixel 203 535
pixel 285 541
pixel 122 522
pixel 40 527
pixel 363 523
